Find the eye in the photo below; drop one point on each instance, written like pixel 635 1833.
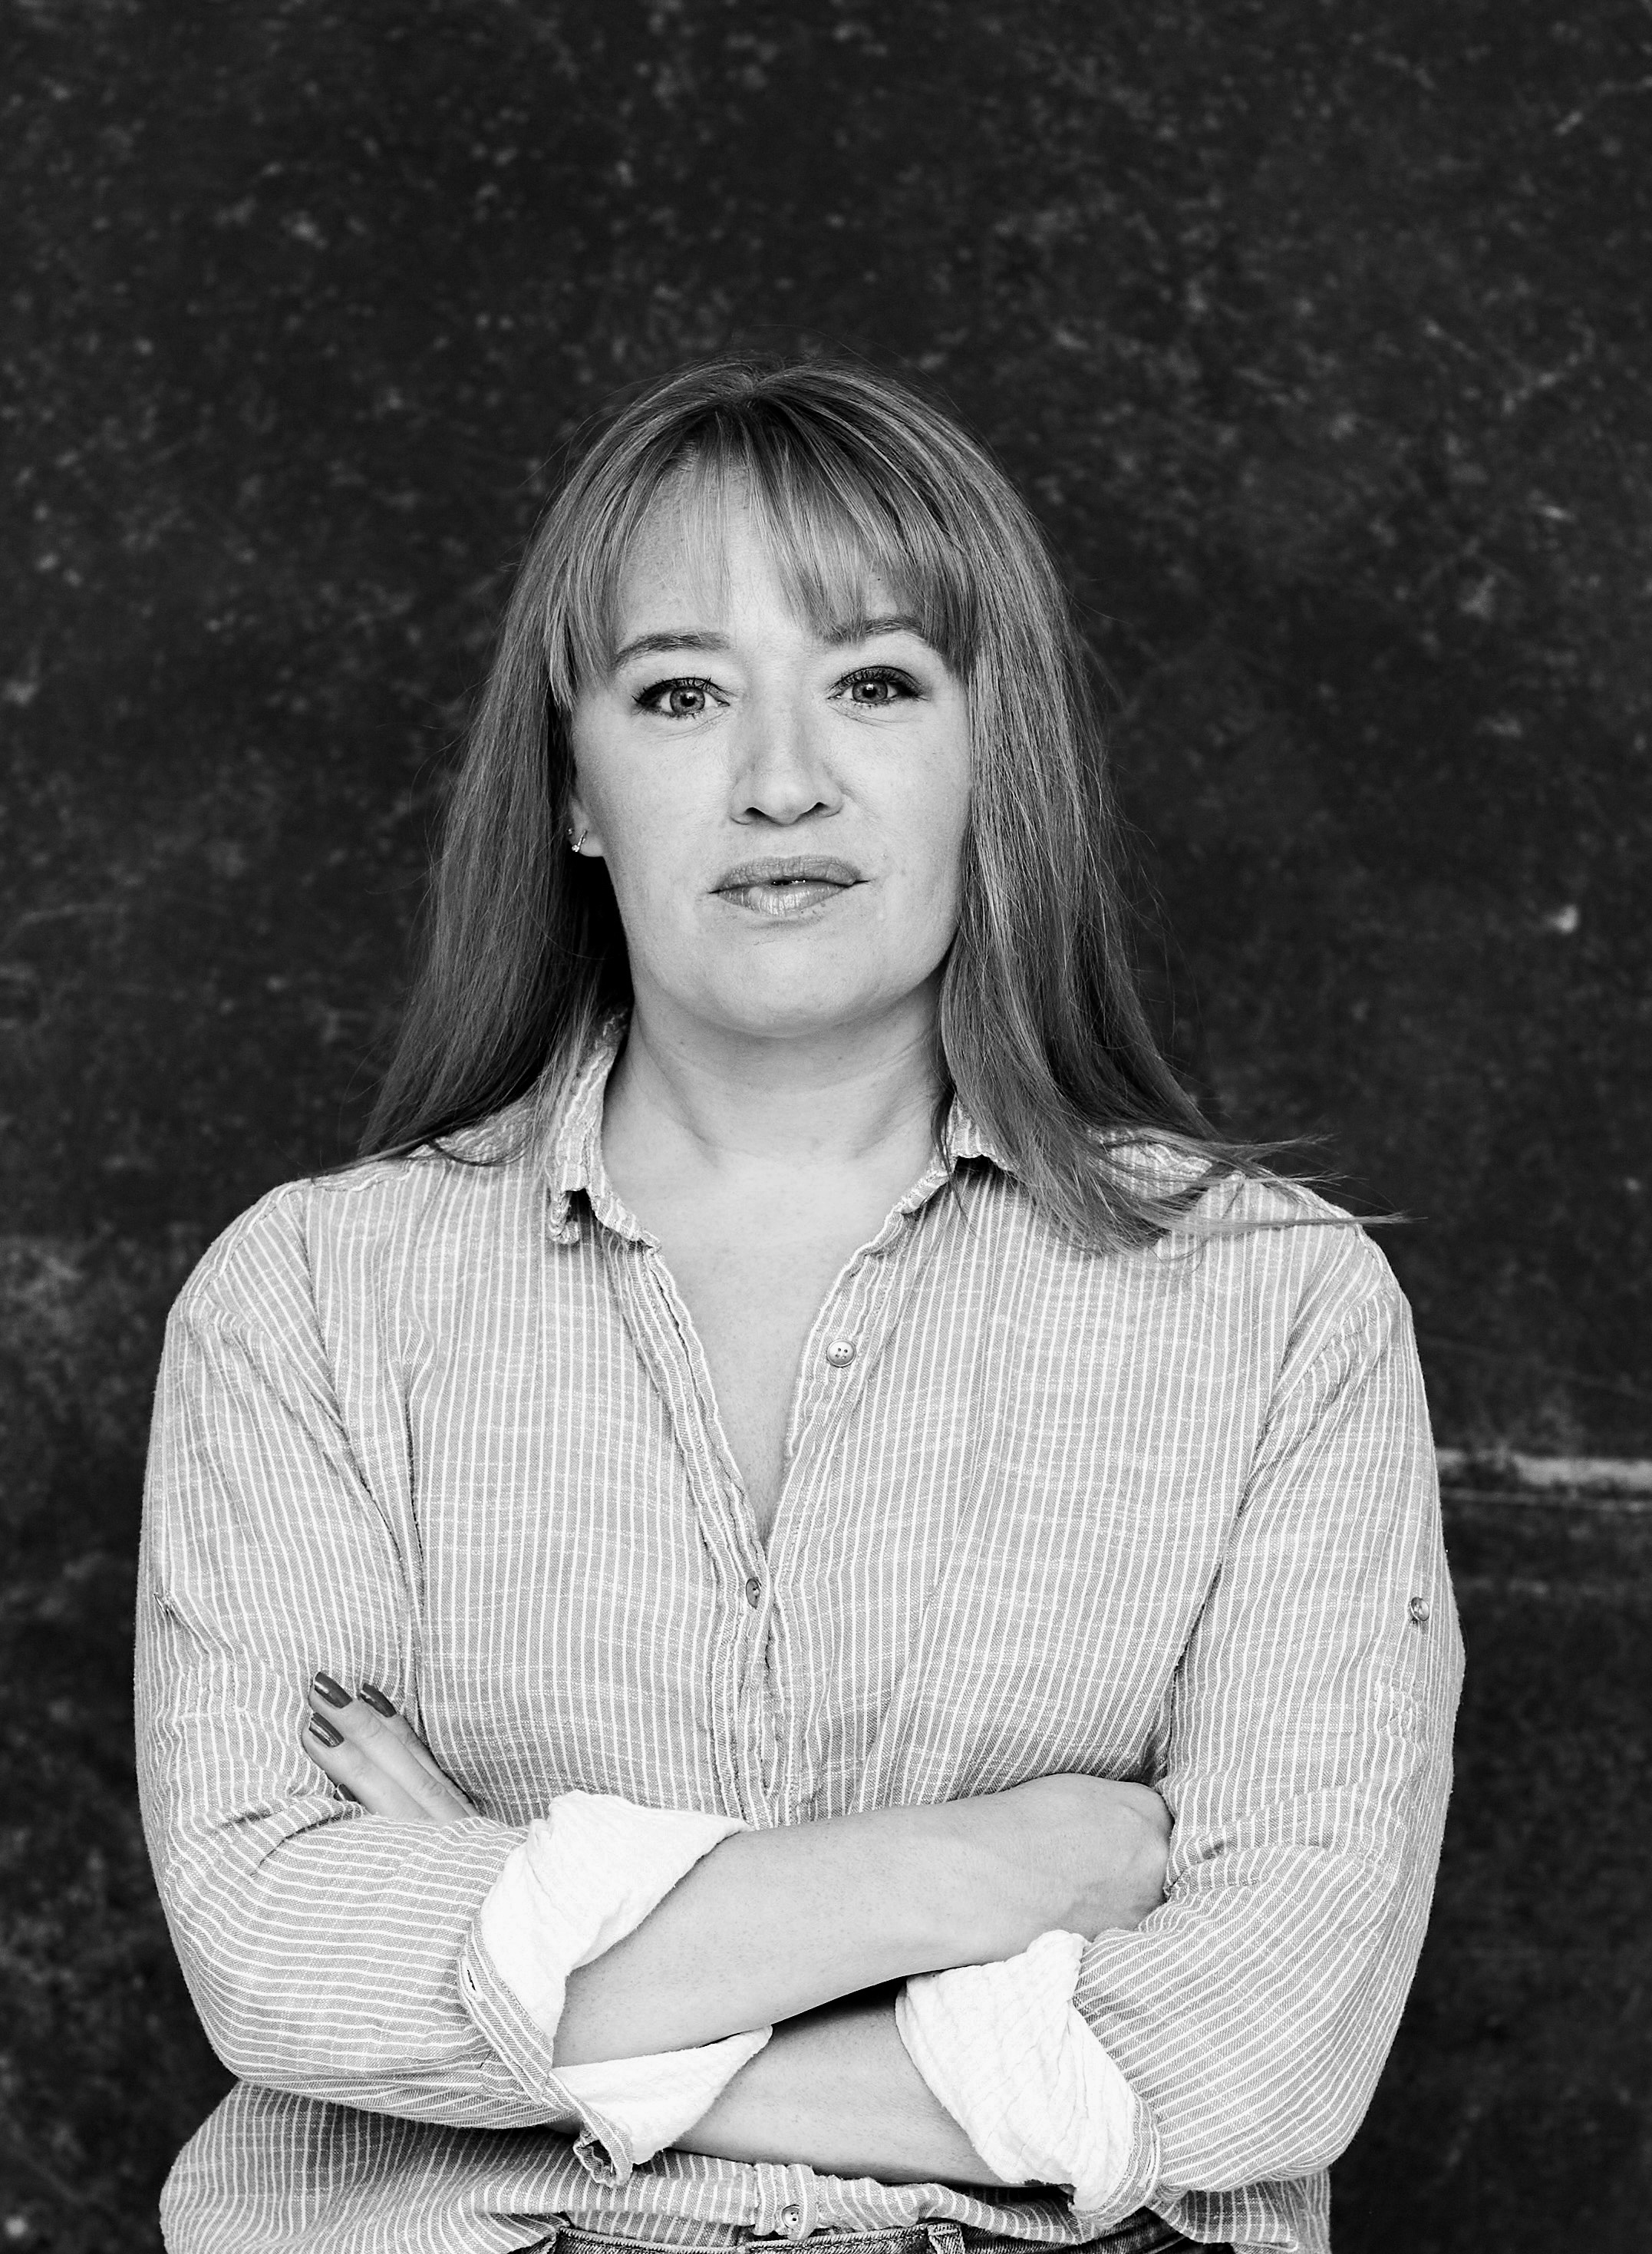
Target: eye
pixel 874 688
pixel 677 700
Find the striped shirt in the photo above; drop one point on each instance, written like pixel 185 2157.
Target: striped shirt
pixel 1167 1515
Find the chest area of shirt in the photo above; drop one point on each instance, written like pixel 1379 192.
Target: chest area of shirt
pixel 996 1536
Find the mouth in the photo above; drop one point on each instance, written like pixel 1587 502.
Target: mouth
pixel 784 889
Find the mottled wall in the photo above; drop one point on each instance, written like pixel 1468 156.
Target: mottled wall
pixel 1319 336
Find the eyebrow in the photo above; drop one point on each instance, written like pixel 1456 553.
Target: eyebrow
pixel 866 629
pixel 651 644
pixel 860 628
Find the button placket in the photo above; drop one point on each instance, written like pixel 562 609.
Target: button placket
pixel 849 1332
pixel 839 1351
pixel 647 1298
pixel 788 2206
pixel 838 1356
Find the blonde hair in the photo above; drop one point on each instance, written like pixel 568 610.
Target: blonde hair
pixel 850 477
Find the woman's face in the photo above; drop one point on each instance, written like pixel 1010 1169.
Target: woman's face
pixel 782 816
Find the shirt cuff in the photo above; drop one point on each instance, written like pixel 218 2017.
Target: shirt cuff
pixel 1002 2047
pixel 586 1875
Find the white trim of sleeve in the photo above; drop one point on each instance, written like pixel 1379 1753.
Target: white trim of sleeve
pixel 1002 2047
pixel 587 1874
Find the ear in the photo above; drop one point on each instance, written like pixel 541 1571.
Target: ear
pixel 581 826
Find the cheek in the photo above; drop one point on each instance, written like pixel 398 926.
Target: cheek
pixel 936 820
pixel 632 808
pixel 645 850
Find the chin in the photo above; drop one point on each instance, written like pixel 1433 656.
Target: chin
pixel 791 1009
pixel 800 1022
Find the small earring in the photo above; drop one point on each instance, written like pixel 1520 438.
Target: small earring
pixel 575 842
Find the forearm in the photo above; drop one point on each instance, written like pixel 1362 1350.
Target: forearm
pixel 837 2091
pixel 774 1923
pixel 329 1966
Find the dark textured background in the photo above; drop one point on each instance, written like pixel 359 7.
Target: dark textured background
pixel 1318 335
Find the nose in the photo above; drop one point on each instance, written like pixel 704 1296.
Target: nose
pixel 781 773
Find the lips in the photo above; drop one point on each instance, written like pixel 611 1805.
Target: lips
pixel 781 888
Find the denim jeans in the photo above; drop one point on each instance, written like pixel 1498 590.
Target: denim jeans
pixel 1140 2233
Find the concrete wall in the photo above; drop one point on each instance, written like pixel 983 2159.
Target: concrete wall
pixel 1319 336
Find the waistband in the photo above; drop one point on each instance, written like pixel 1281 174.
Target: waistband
pixel 1139 2234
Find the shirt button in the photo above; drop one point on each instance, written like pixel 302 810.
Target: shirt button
pixel 841 1353
pixel 753 1590
pixel 791 2217
pixel 1418 1611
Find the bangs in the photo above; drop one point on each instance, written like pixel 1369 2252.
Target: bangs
pixel 848 531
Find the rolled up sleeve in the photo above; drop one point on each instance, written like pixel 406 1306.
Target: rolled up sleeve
pixel 1308 1767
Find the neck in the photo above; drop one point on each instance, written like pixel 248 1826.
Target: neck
pixel 736 1103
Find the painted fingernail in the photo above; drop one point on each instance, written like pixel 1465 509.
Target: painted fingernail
pixel 334 1693
pixel 374 1697
pixel 321 1728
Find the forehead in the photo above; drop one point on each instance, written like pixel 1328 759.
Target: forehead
pixel 836 543
pixel 701 551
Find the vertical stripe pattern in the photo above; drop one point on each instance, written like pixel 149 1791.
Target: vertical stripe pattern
pixel 1168 1516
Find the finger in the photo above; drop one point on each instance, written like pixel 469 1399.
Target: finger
pixel 358 1774
pixel 375 1769
pixel 388 1750
pixel 398 1723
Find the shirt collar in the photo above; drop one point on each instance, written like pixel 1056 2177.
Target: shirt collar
pixel 573 1165
pixel 964 1140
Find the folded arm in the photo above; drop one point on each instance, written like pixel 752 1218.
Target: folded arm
pixel 834 2088
pixel 766 1922
pixel 322 1945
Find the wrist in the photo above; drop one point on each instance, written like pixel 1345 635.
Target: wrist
pixel 926 1872
pixel 985 1898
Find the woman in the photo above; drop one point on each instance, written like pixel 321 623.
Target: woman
pixel 683 1598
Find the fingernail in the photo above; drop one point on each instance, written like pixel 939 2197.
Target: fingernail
pixel 376 1698
pixel 321 1728
pixel 334 1693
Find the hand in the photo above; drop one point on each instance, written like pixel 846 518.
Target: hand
pixel 379 1758
pixel 1083 1853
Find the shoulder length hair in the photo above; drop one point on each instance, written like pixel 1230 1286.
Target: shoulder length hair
pixel 851 476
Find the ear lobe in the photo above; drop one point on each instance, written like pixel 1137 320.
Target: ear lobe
pixel 579 836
